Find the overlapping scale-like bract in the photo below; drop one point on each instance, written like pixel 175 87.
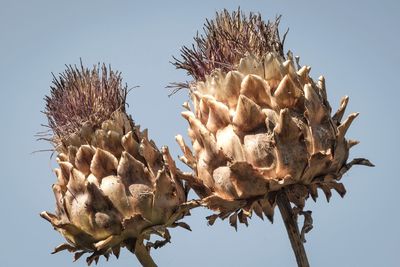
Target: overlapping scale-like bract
pixel 260 128
pixel 114 188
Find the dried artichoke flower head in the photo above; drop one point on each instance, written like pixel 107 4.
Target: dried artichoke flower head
pixel 259 122
pixel 114 187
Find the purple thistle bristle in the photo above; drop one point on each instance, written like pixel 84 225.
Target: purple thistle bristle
pixel 227 39
pixel 82 95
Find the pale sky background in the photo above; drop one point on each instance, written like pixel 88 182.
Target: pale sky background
pixel 355 44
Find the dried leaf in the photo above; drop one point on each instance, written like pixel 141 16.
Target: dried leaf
pixel 243 218
pixel 211 219
pixel 233 220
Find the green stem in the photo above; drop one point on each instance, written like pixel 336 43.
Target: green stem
pixel 143 255
pixel 292 229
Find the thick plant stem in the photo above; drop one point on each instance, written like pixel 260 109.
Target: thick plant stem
pixel 143 255
pixel 292 229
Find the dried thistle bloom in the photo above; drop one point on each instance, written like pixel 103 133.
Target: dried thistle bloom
pixel 228 38
pixel 83 96
pixel 260 124
pixel 114 187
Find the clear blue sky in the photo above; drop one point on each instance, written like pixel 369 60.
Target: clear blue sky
pixel 355 44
